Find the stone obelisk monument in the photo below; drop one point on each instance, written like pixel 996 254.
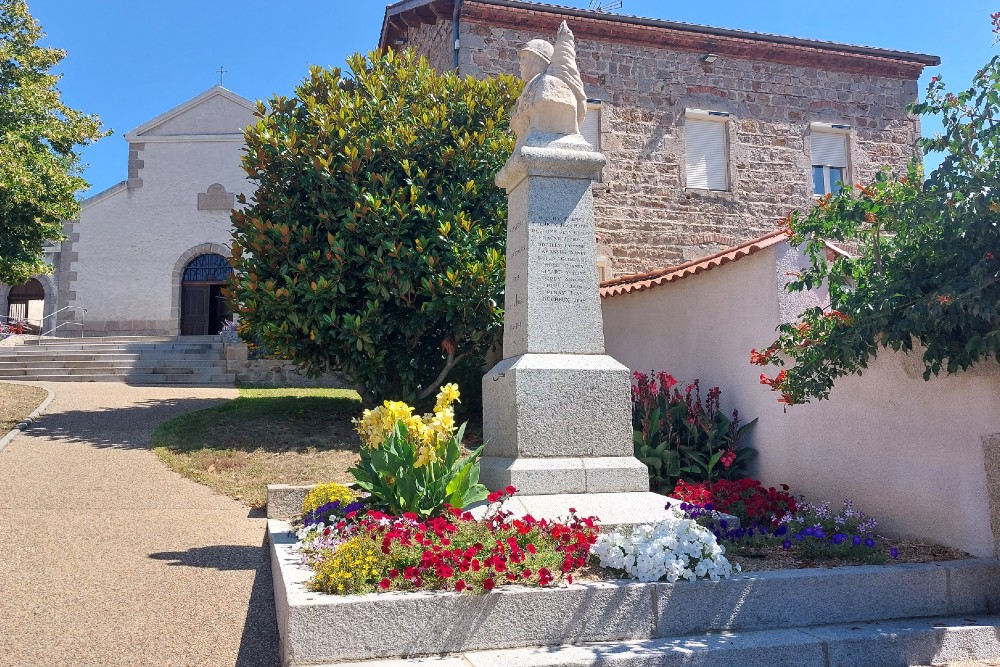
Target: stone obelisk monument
pixel 557 410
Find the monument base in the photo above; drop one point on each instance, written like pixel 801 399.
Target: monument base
pixel 545 476
pixel 560 423
pixel 612 509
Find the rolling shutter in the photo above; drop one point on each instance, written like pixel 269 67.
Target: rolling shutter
pixel 829 149
pixel 591 129
pixel 705 154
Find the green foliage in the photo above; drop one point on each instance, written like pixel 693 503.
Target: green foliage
pixel 413 463
pixel 39 166
pixel 680 436
pixel 927 274
pixel 392 474
pixel 375 240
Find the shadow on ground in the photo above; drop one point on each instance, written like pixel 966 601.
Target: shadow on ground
pixel 259 642
pixel 123 427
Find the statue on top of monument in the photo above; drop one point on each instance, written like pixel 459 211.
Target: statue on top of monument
pixel 553 101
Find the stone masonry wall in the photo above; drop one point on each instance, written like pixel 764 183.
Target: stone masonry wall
pixel 643 209
pixel 433 41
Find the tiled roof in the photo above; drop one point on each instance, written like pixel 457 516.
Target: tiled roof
pixel 432 9
pixel 644 281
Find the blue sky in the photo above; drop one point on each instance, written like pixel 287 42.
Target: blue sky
pixel 130 61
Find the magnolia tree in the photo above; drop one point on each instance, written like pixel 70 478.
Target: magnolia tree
pixel 39 136
pixel 374 243
pixel 927 272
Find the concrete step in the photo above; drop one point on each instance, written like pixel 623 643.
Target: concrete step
pixel 106 369
pixel 146 355
pixel 215 379
pixel 118 347
pixel 925 641
pixel 121 339
pixel 21 365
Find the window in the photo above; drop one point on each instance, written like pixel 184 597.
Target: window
pixel 829 157
pixel 705 151
pixel 591 129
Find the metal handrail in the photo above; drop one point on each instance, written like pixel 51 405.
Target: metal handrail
pixel 59 326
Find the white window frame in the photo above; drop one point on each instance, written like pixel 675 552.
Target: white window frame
pixel 722 118
pixel 594 110
pixel 830 129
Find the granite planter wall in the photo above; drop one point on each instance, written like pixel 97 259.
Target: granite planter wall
pixel 276 372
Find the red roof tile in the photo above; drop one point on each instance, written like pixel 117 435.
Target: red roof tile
pixel 644 281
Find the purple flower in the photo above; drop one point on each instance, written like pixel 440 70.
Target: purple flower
pixel 809 531
pixel 781 530
pixel 786 545
pixel 870 543
pixel 894 552
pixel 857 540
pixel 724 524
pixel 838 538
pixel 709 507
pixel 819 534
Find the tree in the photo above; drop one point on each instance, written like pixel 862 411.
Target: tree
pixel 375 240
pixel 39 166
pixel 927 274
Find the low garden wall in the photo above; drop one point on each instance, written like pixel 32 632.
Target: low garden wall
pixel 921 456
pixel 275 372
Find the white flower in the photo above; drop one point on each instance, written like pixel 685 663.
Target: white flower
pixel 675 548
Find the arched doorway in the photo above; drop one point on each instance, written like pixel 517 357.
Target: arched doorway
pixel 26 303
pixel 203 308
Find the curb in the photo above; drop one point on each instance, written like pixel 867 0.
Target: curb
pixel 14 432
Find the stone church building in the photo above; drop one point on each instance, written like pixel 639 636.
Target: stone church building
pixel 150 254
pixel 711 136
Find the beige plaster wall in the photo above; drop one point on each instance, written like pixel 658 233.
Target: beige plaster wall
pixel 908 451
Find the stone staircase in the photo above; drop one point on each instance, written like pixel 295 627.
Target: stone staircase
pixel 137 360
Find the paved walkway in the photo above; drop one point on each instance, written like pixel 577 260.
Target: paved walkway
pixel 108 558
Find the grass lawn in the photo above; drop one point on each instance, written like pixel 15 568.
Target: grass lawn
pixel 266 436
pixel 17 402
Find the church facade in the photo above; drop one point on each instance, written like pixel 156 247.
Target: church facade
pixel 149 256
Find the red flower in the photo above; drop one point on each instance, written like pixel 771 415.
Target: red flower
pixel 385 583
pixel 489 584
pixel 989 257
pixel 510 490
pixel 460 585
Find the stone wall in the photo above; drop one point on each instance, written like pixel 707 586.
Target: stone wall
pixel 648 216
pixel 276 372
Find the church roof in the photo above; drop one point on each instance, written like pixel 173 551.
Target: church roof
pixel 164 125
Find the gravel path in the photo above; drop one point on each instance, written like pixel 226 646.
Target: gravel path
pixel 108 558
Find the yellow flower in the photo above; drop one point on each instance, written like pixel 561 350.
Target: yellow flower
pixel 426 454
pixel 326 493
pixel 442 422
pixel 446 396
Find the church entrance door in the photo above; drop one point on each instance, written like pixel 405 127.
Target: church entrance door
pixel 203 307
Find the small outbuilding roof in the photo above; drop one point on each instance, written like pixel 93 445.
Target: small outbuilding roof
pixel 623 28
pixel 643 281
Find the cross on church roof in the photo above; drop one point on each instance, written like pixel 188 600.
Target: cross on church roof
pixel 222 73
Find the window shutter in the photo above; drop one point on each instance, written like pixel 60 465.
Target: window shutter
pixel 829 149
pixel 705 154
pixel 591 129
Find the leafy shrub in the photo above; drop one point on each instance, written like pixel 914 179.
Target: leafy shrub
pixel 746 499
pixel 680 436
pixel 672 549
pixel 927 272
pixel 414 464
pixel 374 242
pixel 453 552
